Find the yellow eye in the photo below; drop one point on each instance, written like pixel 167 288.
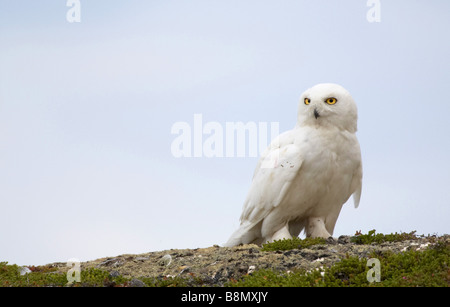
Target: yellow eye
pixel 331 100
pixel 307 101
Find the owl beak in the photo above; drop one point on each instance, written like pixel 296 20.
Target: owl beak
pixel 316 113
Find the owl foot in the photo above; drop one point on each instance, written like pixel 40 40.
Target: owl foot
pixel 316 228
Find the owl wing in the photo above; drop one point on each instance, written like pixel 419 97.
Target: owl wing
pixel 356 185
pixel 274 173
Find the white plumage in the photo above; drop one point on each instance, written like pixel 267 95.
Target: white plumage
pixel 306 174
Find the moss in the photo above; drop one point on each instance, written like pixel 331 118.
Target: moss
pixel 45 276
pixel 177 281
pixel 48 277
pixel 270 278
pixel 39 276
pixel 99 278
pixel 294 243
pixel 429 268
pixel 372 237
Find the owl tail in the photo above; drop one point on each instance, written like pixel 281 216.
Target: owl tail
pixel 357 197
pixel 246 233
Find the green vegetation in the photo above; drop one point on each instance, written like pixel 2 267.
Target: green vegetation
pixel 429 268
pixel 379 238
pixel 10 276
pixel 370 238
pixel 43 276
pixel 288 244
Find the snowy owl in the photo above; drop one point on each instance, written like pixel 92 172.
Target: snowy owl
pixel 305 176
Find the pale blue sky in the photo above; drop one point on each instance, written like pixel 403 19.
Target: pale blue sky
pixel 86 111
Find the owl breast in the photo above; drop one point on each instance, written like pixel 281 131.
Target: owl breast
pixel 325 177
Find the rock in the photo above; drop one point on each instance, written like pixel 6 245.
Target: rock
pixel 136 283
pixel 165 260
pixel 113 274
pixel 113 262
pixel 344 240
pixel 331 240
pixel 251 269
pixel 24 270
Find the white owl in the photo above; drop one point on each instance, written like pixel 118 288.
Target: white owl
pixel 306 174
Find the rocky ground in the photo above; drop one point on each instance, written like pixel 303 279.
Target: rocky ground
pixel 215 265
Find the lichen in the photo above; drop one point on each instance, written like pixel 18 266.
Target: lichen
pixel 294 243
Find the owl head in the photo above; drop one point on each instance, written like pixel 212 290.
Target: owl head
pixel 328 105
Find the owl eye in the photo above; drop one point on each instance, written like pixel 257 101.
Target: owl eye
pixel 307 101
pixel 331 100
